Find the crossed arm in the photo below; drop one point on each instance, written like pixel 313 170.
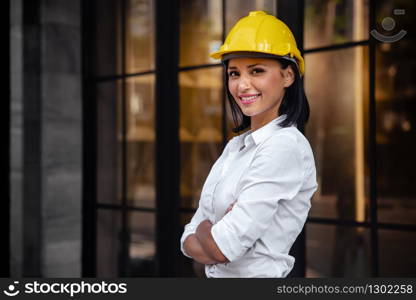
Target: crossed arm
pixel 201 245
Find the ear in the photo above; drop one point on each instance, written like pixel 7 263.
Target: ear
pixel 289 76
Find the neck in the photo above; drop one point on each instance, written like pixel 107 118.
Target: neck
pixel 257 122
pixel 265 117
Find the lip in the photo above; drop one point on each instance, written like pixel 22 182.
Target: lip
pixel 249 98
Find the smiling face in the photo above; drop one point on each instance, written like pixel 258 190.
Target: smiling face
pixel 258 86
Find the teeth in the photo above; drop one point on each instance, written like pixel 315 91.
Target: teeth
pixel 249 98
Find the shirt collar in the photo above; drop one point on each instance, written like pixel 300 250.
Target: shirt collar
pixel 262 133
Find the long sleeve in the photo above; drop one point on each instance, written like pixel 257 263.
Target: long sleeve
pixel 275 173
pixel 191 227
pixel 204 210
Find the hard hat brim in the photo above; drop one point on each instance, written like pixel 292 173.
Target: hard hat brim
pixel 227 55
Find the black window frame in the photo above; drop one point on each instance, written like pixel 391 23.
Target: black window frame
pixel 373 225
pixel 167 70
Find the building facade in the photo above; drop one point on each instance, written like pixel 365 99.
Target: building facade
pixel 117 113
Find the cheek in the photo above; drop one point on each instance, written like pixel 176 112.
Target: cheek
pixel 273 86
pixel 232 86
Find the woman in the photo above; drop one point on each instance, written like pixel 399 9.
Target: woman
pixel 256 198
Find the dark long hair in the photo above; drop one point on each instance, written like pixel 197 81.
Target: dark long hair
pixel 294 103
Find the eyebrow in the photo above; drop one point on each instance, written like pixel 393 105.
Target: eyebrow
pixel 249 66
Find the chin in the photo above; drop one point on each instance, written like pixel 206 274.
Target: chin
pixel 249 113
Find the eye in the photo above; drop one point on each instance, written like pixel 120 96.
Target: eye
pixel 257 71
pixel 233 73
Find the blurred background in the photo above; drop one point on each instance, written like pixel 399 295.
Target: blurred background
pixel 116 114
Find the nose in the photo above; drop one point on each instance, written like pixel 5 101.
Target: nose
pixel 244 83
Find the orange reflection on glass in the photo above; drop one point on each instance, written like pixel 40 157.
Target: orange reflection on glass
pixel 140 168
pixel 237 9
pixel 395 92
pixel 200 31
pixel 331 22
pixel 200 129
pixel 337 251
pixel 335 83
pixel 140 39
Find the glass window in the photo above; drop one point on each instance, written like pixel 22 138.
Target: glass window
pixel 140 119
pixel 236 9
pixel 108 243
pixel 336 86
pixel 107 36
pixel 337 251
pixel 329 22
pixel 108 142
pixel 397 253
pixel 200 31
pixel 139 36
pixel 142 247
pixel 200 129
pixel 395 93
pixel 140 46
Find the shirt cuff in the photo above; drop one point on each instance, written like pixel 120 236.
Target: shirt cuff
pixel 229 244
pixel 183 238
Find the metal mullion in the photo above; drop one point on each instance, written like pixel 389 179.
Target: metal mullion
pixel 352 223
pixel 292 14
pixel 302 235
pixel 124 233
pixel 389 226
pixel 395 226
pixel 340 222
pixel 127 208
pixel 167 18
pixel 337 47
pixel 223 97
pixel 89 144
pixel 223 20
pixel 373 146
pixel 302 20
pixel 6 165
pixel 187 210
pixel 196 67
pixel 31 152
pixel 99 79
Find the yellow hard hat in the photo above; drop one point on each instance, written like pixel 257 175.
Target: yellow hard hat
pixel 263 33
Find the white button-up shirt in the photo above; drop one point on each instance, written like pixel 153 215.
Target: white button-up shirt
pixel 271 175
